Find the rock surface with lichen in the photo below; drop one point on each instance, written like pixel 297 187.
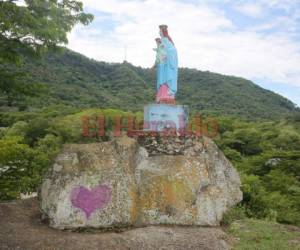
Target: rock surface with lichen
pixel 135 182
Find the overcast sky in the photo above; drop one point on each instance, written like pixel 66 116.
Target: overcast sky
pixel 258 40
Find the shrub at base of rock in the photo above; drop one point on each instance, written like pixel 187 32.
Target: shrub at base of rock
pixel 117 184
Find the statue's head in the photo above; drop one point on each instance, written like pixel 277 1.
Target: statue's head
pixel 163 30
pixel 158 40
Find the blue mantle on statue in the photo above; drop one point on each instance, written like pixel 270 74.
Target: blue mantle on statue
pixel 158 117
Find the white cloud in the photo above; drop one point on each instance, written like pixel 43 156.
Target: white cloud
pixel 205 39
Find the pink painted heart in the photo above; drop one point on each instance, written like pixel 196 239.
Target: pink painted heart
pixel 90 200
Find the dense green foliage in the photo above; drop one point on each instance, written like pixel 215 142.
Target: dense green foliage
pixel 267 156
pixel 73 79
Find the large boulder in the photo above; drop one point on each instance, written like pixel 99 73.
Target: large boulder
pixel 118 183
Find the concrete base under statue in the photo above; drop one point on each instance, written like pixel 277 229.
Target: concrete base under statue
pixel 158 117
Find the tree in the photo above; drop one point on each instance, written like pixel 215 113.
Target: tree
pixel 33 29
pixel 36 27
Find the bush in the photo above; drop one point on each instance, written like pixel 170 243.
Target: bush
pixel 17 129
pixel 15 167
pixel 21 166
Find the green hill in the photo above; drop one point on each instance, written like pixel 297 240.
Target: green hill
pixel 73 79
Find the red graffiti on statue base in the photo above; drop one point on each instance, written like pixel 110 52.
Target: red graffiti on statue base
pixel 94 126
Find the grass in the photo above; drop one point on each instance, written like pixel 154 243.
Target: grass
pixel 250 234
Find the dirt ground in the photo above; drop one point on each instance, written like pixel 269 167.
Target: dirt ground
pixel 22 228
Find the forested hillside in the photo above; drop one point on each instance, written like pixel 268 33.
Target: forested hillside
pixel 73 79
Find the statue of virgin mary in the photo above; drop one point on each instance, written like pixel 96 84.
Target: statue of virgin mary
pixel 167 68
